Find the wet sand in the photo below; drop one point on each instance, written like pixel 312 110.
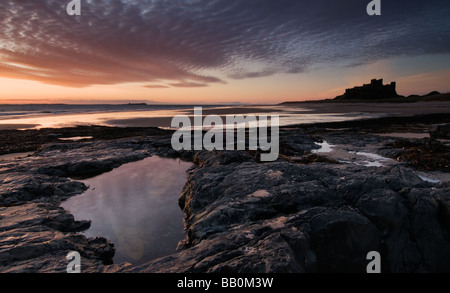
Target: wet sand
pixel 377 109
pixel 165 122
pixel 17 126
pixel 395 109
pixel 299 112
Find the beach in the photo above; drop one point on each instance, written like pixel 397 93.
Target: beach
pixel 352 186
pixel 161 116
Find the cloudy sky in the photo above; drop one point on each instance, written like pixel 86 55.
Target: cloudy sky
pixel 214 51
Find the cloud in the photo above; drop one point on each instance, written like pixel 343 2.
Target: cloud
pixel 118 41
pixel 156 86
pixel 188 84
pixel 243 74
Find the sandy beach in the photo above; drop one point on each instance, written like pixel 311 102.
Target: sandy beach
pixel 296 113
pixel 300 113
pixel 17 126
pixel 392 109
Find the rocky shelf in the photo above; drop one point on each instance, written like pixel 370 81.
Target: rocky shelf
pixel 307 212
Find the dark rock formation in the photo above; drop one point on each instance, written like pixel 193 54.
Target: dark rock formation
pixel 302 213
pixel 18 141
pixel 373 91
pixel 424 154
pixel 35 233
pixel 36 237
pixel 242 216
pixel 441 131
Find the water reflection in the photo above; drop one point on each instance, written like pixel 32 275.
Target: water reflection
pixel 136 207
pixel 123 116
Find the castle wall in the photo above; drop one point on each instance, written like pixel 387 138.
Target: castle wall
pixel 374 90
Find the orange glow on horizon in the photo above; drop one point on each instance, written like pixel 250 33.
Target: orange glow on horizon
pixel 321 84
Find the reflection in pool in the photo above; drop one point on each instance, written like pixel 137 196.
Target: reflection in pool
pixel 136 207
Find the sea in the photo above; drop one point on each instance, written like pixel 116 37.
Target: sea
pixel 38 116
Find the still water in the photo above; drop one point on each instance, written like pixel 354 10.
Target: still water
pixel 136 207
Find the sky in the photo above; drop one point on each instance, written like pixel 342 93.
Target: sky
pixel 218 51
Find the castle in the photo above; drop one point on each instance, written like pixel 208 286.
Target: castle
pixel 374 90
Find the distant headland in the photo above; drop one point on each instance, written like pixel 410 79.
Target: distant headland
pixel 377 92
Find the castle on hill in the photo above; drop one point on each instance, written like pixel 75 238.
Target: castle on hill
pixel 375 90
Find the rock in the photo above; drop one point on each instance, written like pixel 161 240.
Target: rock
pixel 35 233
pixel 30 140
pixel 17 188
pixel 88 168
pixel 260 249
pixel 441 131
pixel 33 238
pixel 384 208
pixel 423 154
pixel 341 241
pixel 205 158
pixel 241 216
pixel 296 144
pixel 328 217
pixel 429 233
pixel 443 200
pixel 102 249
pixel 65 223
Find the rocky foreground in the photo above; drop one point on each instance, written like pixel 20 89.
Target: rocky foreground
pixel 310 211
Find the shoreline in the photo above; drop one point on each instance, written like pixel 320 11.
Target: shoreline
pixel 296 112
pixel 29 140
